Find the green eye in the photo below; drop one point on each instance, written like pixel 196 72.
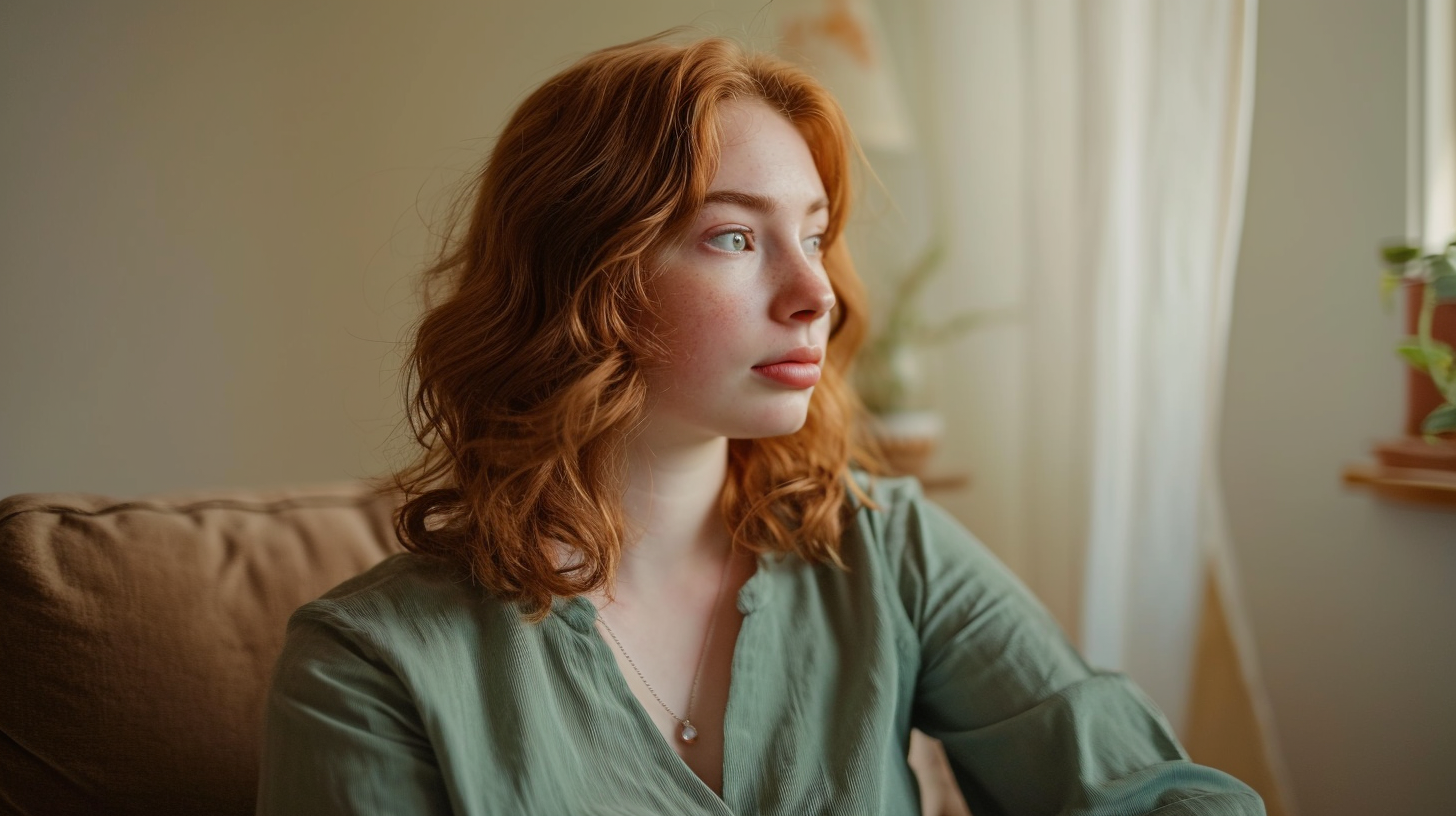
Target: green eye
pixel 735 241
pixel 811 244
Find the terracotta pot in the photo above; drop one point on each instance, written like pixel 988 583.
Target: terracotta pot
pixel 1421 395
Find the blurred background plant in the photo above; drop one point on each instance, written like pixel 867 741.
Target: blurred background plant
pixel 1435 273
pixel 888 374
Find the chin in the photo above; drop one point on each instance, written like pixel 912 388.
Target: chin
pixel 777 423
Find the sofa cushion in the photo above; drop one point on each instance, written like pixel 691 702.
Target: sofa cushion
pixel 138 638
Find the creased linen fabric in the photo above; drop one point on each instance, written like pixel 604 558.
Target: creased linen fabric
pixel 409 690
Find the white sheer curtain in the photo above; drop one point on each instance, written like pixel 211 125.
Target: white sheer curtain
pixel 1131 122
pixel 1167 113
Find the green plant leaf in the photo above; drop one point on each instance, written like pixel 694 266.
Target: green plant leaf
pixel 904 320
pixel 1413 355
pixel 1396 254
pixel 1440 371
pixel 1441 267
pixel 1442 355
pixel 1440 366
pixel 1440 420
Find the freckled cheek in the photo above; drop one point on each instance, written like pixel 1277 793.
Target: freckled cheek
pixel 710 343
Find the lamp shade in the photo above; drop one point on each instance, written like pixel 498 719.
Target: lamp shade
pixel 841 43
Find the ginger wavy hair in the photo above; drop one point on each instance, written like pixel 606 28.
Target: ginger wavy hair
pixel 524 381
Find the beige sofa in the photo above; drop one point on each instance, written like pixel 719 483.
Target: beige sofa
pixel 136 638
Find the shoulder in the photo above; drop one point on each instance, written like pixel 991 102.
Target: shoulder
pixel 902 524
pixel 884 489
pixel 400 574
pixel 884 532
pixel 401 580
pixel 892 498
pixel 407 599
pixel 933 562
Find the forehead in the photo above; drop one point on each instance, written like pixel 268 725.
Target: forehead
pixel 764 153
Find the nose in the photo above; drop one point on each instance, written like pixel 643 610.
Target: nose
pixel 805 294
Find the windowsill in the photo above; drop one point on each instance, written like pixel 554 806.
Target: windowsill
pixel 1430 487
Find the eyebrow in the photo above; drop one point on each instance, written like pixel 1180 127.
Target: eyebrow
pixel 755 202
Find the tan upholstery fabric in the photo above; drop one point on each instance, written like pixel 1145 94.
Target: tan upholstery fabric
pixel 137 638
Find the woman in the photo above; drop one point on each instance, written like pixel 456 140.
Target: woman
pixel 650 572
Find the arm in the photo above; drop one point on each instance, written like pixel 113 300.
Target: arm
pixel 1027 726
pixel 342 735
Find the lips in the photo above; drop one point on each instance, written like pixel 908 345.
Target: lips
pixel 802 354
pixel 798 368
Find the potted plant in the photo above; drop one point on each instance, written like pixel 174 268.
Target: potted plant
pixel 888 373
pixel 1429 281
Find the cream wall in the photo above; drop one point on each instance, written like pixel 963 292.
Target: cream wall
pixel 1352 600
pixel 212 213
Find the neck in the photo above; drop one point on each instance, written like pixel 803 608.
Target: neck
pixel 671 504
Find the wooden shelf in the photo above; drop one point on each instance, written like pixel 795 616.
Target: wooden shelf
pixel 1415 452
pixel 937 482
pixel 1432 488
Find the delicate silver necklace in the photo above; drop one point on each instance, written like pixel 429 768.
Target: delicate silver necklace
pixel 687 732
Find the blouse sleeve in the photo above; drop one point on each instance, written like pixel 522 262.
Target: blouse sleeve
pixel 1028 727
pixel 341 735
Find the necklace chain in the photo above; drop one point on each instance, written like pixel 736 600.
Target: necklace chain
pixel 688 733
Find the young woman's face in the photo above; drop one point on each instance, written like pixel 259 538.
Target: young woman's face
pixel 745 290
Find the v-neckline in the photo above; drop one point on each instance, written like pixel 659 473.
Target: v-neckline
pixel 748 598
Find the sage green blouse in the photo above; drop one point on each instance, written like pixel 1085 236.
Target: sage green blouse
pixel 407 690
